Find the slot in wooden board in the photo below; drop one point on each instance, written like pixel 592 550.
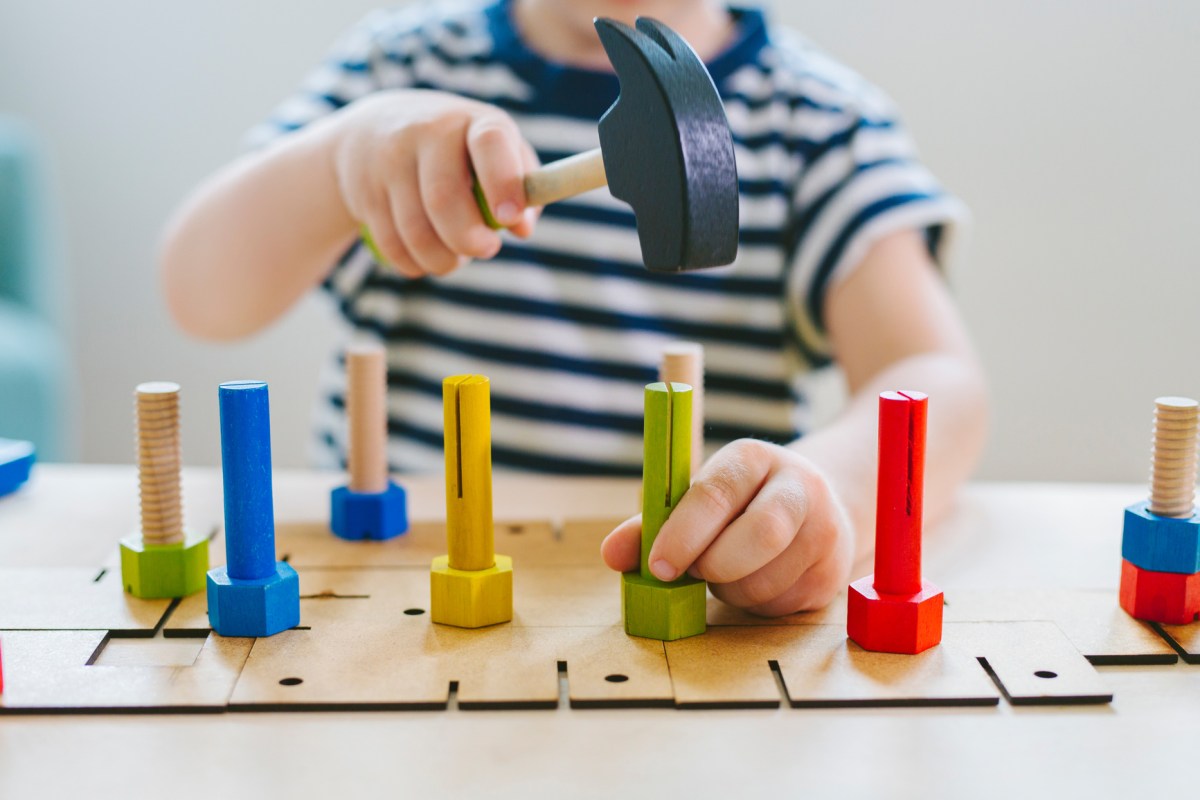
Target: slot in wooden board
pixel 1186 639
pixel 52 671
pixel 1034 662
pixel 411 664
pixel 732 667
pixel 826 669
pixel 74 599
pixel 1092 620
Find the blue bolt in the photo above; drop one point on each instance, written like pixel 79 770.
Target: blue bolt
pixel 246 471
pixel 253 595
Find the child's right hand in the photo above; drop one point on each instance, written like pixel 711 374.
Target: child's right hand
pixel 403 161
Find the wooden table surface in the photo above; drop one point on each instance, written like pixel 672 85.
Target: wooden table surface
pixel 1000 536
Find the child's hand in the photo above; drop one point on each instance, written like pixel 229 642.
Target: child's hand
pixel 760 523
pixel 404 163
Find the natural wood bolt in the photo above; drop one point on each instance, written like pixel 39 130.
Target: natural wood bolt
pixel 1173 469
pixel 159 462
pixel 366 412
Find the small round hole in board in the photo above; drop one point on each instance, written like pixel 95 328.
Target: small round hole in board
pixel 291 681
pixel 616 678
pixel 1045 673
pixel 414 612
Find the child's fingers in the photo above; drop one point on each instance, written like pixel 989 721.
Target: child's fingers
pixel 414 227
pixel 768 583
pixel 725 486
pixel 388 242
pixel 444 175
pixel 495 144
pixel 529 219
pixel 814 589
pixel 760 534
pixel 814 555
pixel 621 549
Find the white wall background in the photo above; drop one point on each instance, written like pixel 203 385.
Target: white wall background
pixel 1069 127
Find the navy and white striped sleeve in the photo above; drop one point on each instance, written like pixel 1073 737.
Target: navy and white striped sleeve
pixel 863 181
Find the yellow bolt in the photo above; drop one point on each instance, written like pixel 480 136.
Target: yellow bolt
pixel 466 405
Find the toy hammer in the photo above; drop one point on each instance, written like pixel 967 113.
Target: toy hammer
pixel 665 149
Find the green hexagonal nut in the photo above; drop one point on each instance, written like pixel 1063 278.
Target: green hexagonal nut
pixel 663 611
pixel 153 571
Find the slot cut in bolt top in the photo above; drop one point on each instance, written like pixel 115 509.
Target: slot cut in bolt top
pixel 466 408
pixel 667 456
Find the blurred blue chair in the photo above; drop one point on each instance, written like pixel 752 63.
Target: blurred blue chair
pixel 36 398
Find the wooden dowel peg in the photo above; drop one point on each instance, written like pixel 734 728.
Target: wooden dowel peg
pixel 683 362
pixel 366 417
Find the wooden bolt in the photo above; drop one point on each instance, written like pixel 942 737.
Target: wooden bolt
pixel 666 461
pixel 471 586
pixel 366 413
pixel 683 362
pixel 901 492
pixel 893 610
pixel 466 406
pixel 159 462
pixel 1173 471
pixel 651 608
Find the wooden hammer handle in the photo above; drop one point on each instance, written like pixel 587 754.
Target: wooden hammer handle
pixel 565 178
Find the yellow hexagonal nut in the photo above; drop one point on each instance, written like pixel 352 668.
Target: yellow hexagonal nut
pixel 471 598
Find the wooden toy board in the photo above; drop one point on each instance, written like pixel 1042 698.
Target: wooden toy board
pixel 70 639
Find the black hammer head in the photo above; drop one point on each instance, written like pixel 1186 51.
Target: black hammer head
pixel 667 148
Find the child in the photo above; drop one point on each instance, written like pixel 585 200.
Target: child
pixel 840 229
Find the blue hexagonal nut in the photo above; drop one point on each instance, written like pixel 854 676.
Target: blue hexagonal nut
pixel 1161 544
pixel 379 515
pixel 263 607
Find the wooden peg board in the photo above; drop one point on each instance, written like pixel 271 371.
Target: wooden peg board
pixel 366 642
pixel 74 598
pixel 1185 638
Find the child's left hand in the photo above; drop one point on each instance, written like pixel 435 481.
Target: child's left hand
pixel 760 523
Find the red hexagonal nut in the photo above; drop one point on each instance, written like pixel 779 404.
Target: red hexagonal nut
pixel 889 623
pixel 1170 597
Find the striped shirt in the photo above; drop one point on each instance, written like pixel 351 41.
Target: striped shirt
pixel 569 325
